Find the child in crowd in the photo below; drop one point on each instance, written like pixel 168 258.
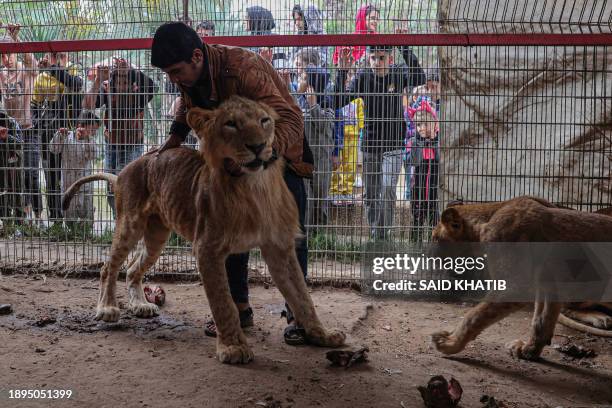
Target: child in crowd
pixel 429 91
pixel 345 154
pixel 78 150
pixel 425 158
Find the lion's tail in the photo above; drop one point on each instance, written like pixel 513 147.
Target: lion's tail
pixel 566 321
pixel 74 188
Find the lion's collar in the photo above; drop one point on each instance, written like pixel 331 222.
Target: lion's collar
pixel 235 170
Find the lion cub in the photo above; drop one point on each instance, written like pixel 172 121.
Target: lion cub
pixel 523 219
pixel 227 198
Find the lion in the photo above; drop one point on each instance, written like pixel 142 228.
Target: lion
pixel 598 316
pixel 523 219
pixel 227 198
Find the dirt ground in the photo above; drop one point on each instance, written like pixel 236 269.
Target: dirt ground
pixel 51 342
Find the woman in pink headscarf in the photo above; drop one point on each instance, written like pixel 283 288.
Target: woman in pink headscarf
pixel 366 22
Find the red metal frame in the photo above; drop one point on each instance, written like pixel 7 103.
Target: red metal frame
pixel 329 40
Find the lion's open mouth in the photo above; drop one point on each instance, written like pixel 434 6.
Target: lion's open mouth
pixel 237 169
pixel 254 164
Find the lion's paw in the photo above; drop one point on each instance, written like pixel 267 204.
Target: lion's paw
pixel 234 353
pixel 521 350
pixel 602 322
pixel 446 343
pixel 143 309
pixel 108 314
pixel 323 338
pixel 335 338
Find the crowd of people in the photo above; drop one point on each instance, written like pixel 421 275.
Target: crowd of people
pixel 50 123
pixel 367 120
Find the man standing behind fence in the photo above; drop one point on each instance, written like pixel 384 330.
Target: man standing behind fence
pixel 56 104
pixel 381 87
pixel 125 93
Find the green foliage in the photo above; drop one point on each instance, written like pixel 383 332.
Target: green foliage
pixel 106 238
pixel 98 19
pixel 75 231
pixel 11 229
pixel 177 241
pixel 334 247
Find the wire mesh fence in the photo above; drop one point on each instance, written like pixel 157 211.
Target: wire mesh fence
pixel 396 132
pixel 102 19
